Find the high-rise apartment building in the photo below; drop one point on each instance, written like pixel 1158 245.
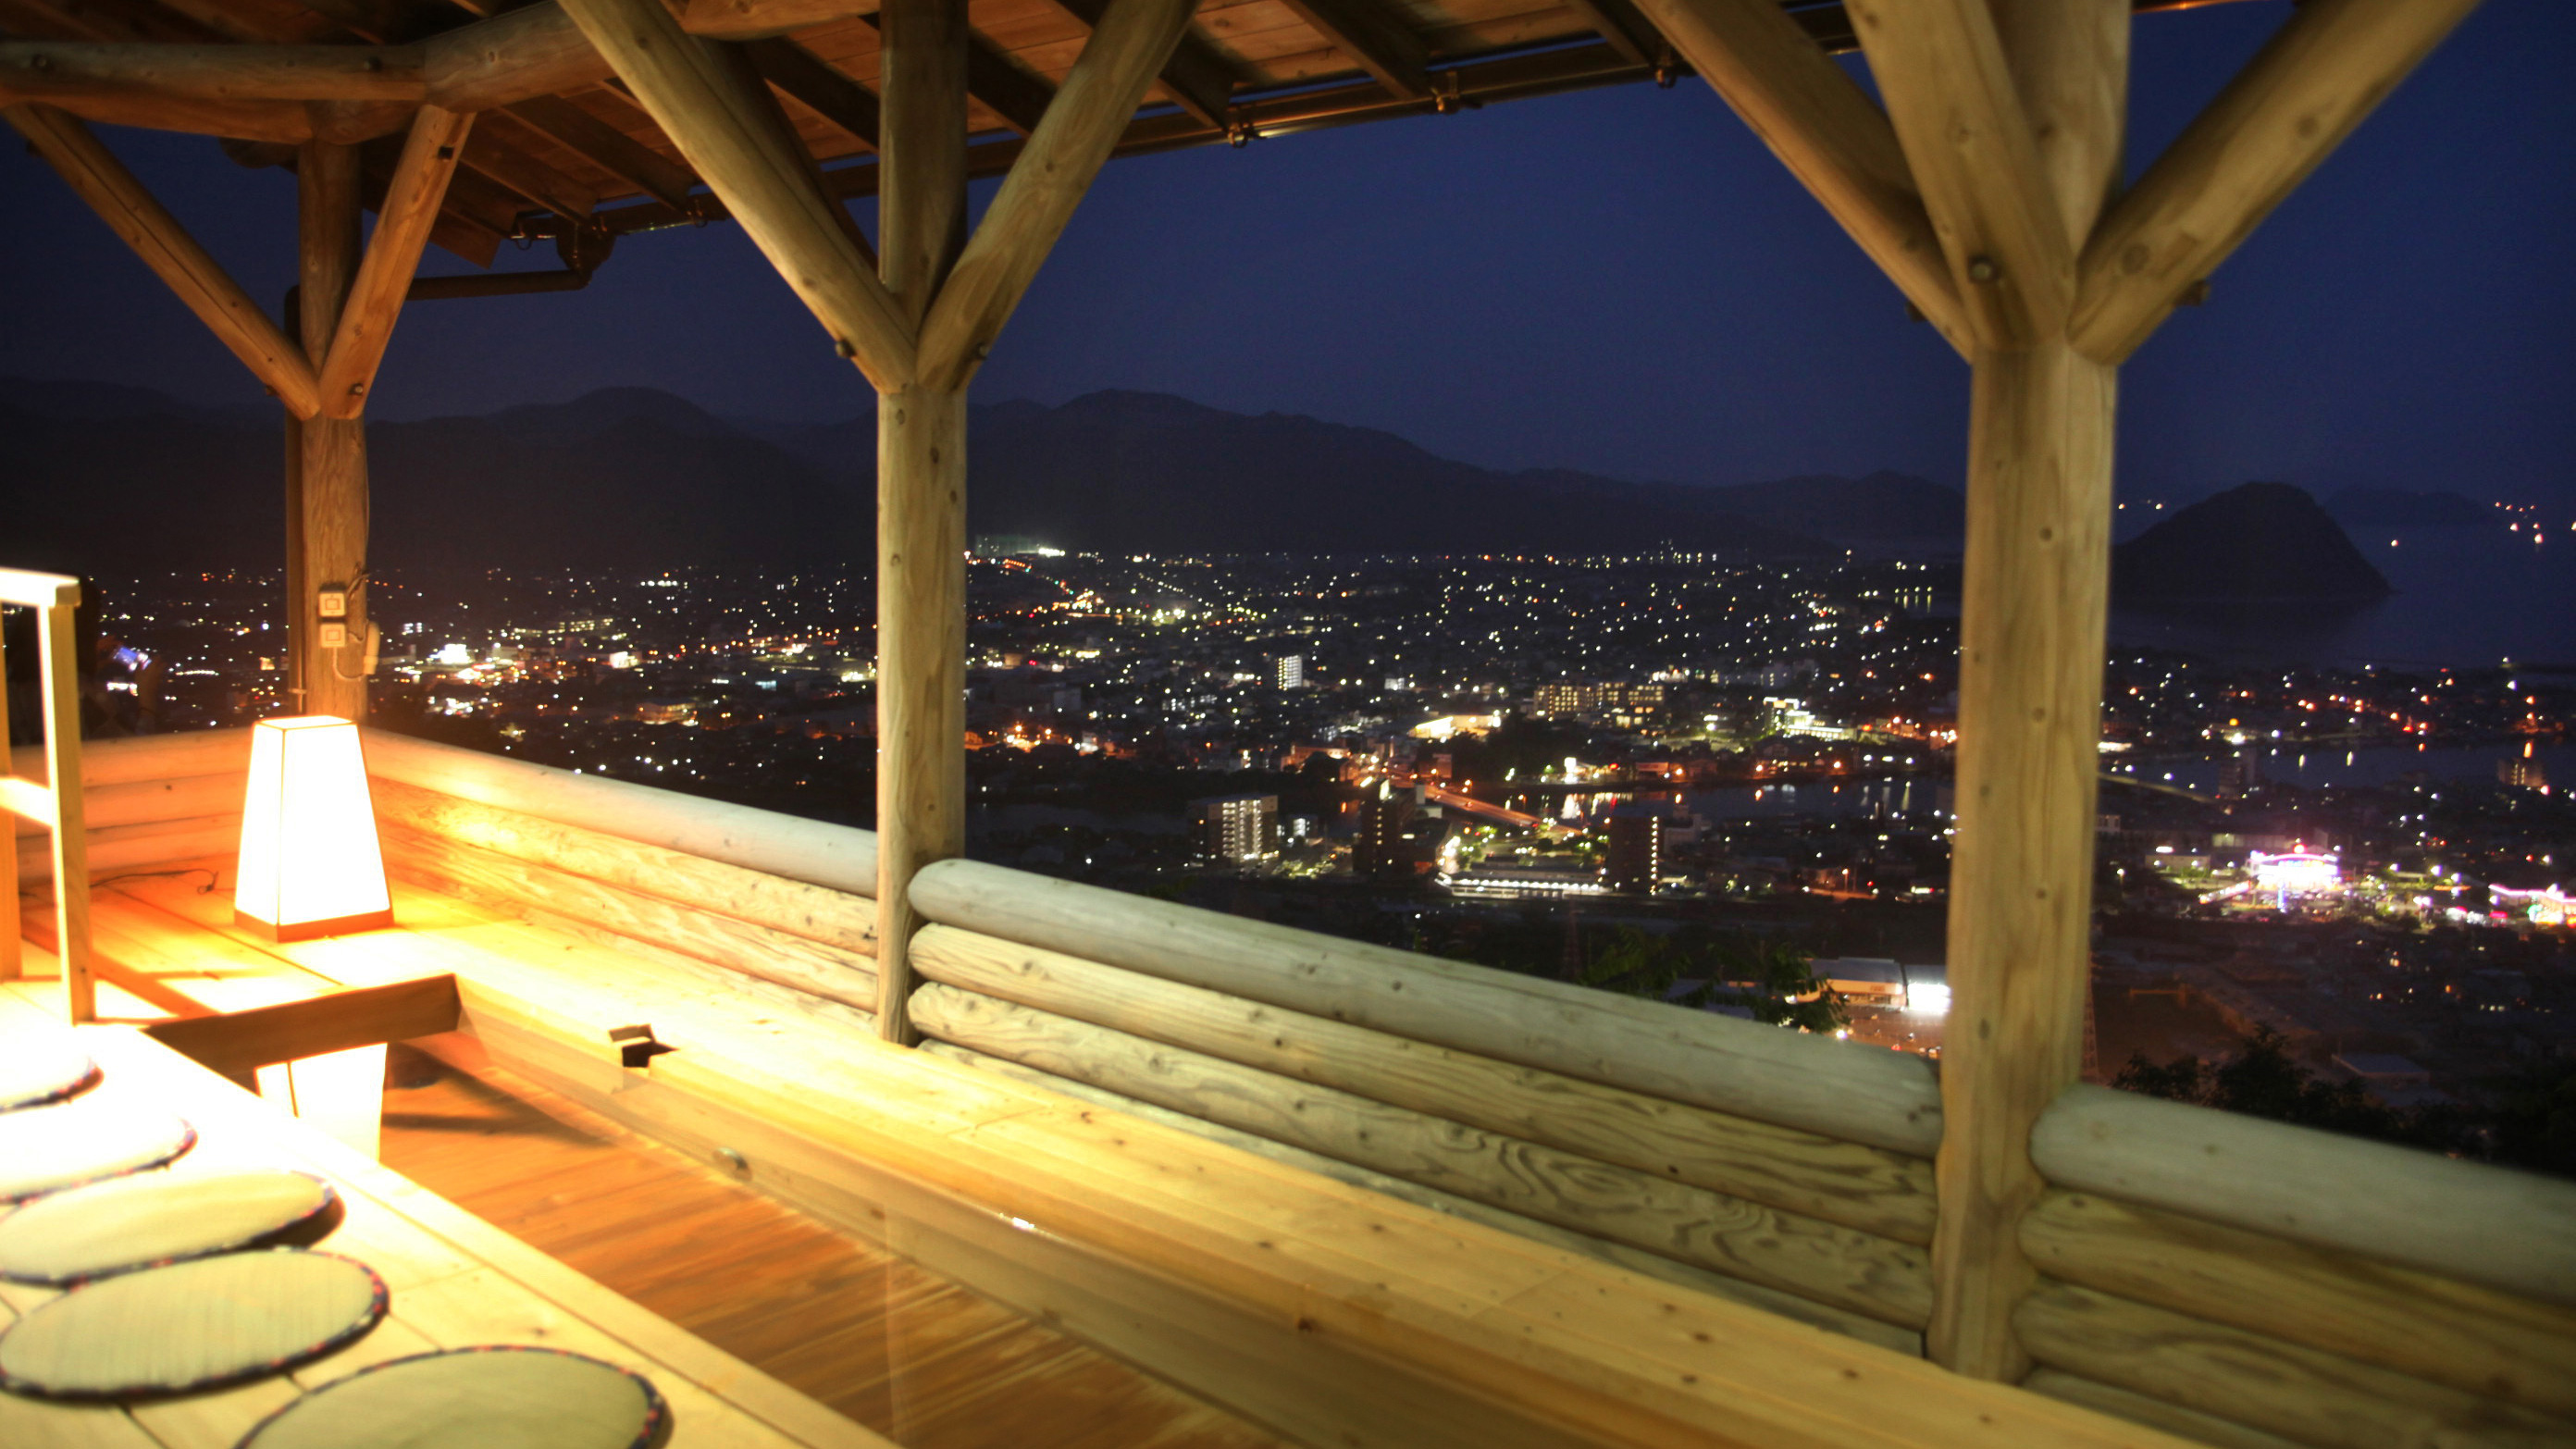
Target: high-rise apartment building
pixel 1236 827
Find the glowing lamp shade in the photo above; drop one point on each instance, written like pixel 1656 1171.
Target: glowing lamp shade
pixel 310 864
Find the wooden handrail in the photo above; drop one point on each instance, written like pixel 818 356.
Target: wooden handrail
pixel 2490 1225
pixel 1836 1089
pixel 839 856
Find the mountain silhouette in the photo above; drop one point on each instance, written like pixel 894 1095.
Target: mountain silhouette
pixel 95 477
pixel 2253 543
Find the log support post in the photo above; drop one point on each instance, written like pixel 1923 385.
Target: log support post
pixel 2011 114
pixel 2030 700
pixel 921 491
pixel 327 479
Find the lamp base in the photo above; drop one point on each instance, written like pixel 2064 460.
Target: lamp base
pixel 312 930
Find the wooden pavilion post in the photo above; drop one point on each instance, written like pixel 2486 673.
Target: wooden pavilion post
pixel 921 489
pixel 327 480
pixel 2011 112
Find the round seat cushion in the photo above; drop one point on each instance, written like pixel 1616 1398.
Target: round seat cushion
pixel 474 1398
pixel 47 1149
pixel 43 1070
pixel 154 1217
pixel 193 1325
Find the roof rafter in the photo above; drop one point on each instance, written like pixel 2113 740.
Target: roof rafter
pixel 1375 41
pixel 1200 80
pixel 811 82
pixel 609 148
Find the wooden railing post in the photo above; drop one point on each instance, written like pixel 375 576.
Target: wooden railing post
pixel 921 491
pixel 328 483
pixel 2032 617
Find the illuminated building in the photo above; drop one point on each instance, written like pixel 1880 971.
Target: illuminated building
pixel 1636 860
pixel 1236 827
pixel 2295 872
pixel 1288 671
pixel 1381 844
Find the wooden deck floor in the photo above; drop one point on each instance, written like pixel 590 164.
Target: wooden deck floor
pixel 904 1351
pixel 897 1348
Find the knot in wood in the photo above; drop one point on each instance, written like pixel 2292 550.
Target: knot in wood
pixel 1983 269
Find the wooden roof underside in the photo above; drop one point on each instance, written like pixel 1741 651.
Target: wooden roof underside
pixel 585 157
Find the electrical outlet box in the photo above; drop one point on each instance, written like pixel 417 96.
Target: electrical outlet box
pixel 335 636
pixel 332 602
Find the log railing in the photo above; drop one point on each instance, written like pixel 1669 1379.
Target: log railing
pixel 149 801
pixel 2230 1279
pixel 1702 1149
pixel 2218 1274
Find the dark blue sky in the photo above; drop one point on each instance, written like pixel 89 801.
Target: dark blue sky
pixel 1620 281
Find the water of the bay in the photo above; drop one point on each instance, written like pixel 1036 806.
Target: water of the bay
pixel 2466 598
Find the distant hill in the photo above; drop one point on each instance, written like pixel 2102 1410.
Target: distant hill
pixel 2257 542
pixel 2396 508
pixel 100 477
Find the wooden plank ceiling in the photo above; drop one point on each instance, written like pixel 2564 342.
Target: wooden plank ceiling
pixel 587 165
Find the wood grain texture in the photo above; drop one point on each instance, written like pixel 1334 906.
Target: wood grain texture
pixel 1855 1271
pixel 2313 1397
pixel 2473 1339
pixel 1869 1188
pixel 98 178
pixel 921 66
pixel 44 70
pixel 2503 1229
pixel 1635 1260
pixel 411 204
pixel 834 856
pixel 2329 66
pixel 148 802
pixel 327 486
pixel 1952 98
pixel 455 1280
pixel 2033 610
pixel 893 1346
pixel 837 919
pixel 235 1043
pixel 1037 200
pixel 2069 61
pixel 517 55
pixel 1829 134
pixel 147 759
pixel 1831 1088
pixel 921 668
pixel 1475 1328
pixel 760 173
pixel 2137 1408
pixel 275 122
pixel 757 951
pixel 67 844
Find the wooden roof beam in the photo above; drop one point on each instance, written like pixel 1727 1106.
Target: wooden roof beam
pixel 1952 99
pixel 609 148
pixel 412 202
pixel 1827 131
pixel 996 80
pixel 1376 41
pixel 1201 81
pixel 492 155
pixel 1619 23
pixel 1092 110
pixel 98 178
pixel 41 70
pixel 811 82
pixel 726 129
pixel 2331 62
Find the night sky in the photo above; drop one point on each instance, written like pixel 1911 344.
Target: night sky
pixel 1621 281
